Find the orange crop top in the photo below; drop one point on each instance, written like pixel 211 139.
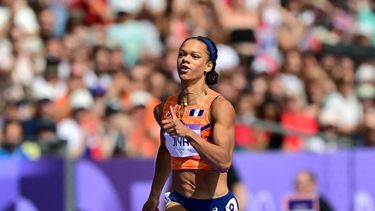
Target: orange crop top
pixel 196 117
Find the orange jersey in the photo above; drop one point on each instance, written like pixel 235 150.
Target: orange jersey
pixel 196 117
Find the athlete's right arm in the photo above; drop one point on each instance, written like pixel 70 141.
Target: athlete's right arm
pixel 162 168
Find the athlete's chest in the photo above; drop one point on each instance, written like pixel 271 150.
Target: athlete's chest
pixel 180 146
pixel 193 118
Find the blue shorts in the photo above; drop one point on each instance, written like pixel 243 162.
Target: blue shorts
pixel 224 203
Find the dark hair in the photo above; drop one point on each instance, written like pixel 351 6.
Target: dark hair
pixel 212 76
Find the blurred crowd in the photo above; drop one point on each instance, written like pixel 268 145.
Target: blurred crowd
pixel 86 74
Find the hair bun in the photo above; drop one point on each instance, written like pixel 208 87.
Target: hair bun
pixel 212 77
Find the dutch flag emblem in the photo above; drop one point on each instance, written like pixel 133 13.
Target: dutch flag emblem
pixel 196 112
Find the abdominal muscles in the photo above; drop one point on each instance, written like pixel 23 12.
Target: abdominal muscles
pixel 200 184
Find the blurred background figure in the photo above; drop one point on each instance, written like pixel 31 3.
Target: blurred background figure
pixel 305 182
pixel 366 138
pixel 13 146
pixel 46 137
pixel 236 185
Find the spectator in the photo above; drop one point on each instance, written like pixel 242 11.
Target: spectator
pixel 305 183
pixel 347 107
pixel 245 136
pixel 294 117
pixel 135 37
pixel 117 130
pixel 328 139
pixel 46 137
pixel 144 140
pixel 43 110
pixel 71 128
pixel 316 91
pixel 12 145
pixel 271 111
pixel 366 136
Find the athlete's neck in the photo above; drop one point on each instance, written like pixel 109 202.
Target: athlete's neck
pixel 193 88
pixel 193 94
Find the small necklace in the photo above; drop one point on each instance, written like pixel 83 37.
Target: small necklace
pixel 185 103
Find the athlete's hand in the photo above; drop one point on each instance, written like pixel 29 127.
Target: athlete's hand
pixel 174 126
pixel 151 205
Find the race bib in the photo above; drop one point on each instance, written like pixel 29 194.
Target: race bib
pixel 179 146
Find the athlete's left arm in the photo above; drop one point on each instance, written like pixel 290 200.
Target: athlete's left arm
pixel 219 153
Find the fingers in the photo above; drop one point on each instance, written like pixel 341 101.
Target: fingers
pixel 171 111
pixel 171 125
pixel 167 123
pixel 171 130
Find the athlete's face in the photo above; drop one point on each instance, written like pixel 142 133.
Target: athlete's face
pixel 193 60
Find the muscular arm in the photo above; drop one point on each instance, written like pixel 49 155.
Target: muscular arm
pixel 218 154
pixel 162 167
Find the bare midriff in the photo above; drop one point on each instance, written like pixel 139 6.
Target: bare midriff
pixel 200 184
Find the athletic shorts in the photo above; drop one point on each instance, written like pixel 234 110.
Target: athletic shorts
pixel 224 203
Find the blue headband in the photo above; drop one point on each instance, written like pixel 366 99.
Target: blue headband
pixel 210 46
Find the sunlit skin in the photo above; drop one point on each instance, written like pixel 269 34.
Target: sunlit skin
pixel 193 63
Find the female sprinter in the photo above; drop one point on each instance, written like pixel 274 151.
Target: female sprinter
pixel 197 137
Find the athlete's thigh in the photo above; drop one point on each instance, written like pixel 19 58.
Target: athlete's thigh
pixel 174 206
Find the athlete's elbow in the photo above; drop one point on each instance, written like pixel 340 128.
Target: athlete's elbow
pixel 224 166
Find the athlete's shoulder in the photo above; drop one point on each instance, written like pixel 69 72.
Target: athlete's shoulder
pixel 221 106
pixel 213 93
pixel 218 98
pixel 159 109
pixel 221 102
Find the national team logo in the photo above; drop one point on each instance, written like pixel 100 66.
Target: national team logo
pixel 196 112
